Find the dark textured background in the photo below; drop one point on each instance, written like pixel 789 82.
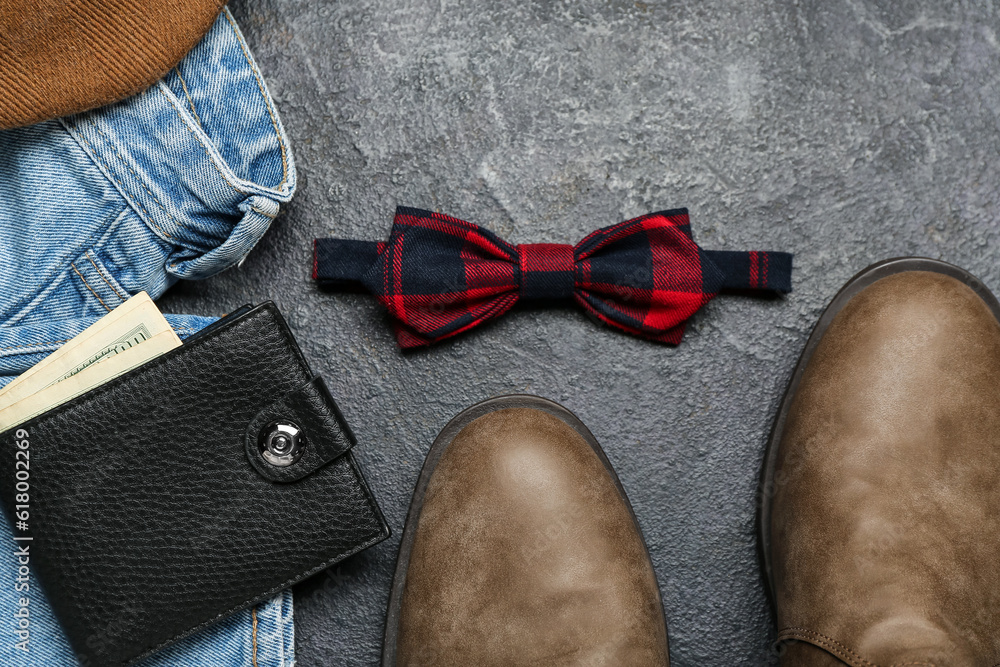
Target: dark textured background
pixel 846 131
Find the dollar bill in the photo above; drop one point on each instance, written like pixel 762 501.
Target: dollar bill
pixel 139 334
pixel 128 336
pixel 130 324
pixel 86 379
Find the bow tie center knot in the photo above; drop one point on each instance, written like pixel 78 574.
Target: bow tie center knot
pixel 547 270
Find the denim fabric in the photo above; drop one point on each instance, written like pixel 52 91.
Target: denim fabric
pixel 178 182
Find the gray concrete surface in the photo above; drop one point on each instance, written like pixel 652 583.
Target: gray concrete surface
pixel 846 131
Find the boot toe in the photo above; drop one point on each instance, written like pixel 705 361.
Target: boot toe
pixel 527 553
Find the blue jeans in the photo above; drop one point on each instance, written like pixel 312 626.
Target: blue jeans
pixel 177 182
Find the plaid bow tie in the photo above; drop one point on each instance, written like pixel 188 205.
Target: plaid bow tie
pixel 440 276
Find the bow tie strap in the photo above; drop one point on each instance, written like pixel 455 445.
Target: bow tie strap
pixel 547 269
pixel 439 276
pixel 754 269
pixel 342 263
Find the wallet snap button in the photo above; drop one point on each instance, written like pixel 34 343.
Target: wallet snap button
pixel 281 443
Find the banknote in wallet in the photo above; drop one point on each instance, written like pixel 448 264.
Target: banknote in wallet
pixel 127 337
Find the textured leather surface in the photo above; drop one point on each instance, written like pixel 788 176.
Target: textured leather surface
pixel 884 529
pixel 312 409
pixel 526 553
pixel 149 521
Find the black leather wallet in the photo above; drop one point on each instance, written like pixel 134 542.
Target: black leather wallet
pixel 191 487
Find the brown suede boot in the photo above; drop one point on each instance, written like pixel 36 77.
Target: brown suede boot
pixel 881 515
pixel 521 548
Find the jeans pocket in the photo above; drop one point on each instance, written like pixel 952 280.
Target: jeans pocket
pixel 201 156
pixel 81 291
pixel 98 281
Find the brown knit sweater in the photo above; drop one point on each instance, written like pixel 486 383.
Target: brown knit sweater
pixel 59 57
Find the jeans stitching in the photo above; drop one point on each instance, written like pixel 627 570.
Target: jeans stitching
pixel 77 271
pixel 31 300
pixel 113 177
pixel 167 93
pixel 270 111
pixel 263 94
pixel 253 614
pixel 51 342
pixel 105 278
pixel 141 180
pixel 194 134
pixel 187 94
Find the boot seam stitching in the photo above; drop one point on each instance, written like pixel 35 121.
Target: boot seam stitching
pixel 838 649
pixel 825 642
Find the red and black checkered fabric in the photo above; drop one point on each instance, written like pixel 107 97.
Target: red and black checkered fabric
pixel 440 276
